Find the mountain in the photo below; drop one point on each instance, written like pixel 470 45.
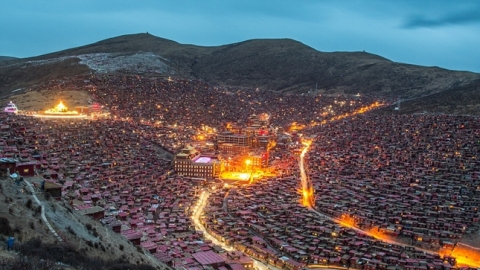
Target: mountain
pixel 459 100
pixel 3 58
pixel 271 64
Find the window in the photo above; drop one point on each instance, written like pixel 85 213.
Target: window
pixel 26 170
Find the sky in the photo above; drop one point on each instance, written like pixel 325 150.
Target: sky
pixel 440 33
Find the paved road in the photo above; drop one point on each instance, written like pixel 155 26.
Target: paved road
pixel 198 210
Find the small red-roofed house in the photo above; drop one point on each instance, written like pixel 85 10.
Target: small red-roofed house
pixel 133 236
pixel 27 168
pixel 95 212
pixel 54 189
pixel 236 266
pixel 209 258
pixel 150 246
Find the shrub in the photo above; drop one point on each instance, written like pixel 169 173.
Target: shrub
pixel 18 228
pixel 29 204
pixel 32 263
pixel 5 227
pixel 34 251
pixel 70 230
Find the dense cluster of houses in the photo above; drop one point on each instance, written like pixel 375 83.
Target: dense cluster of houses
pixel 409 181
pixel 415 177
pixel 112 172
pixel 193 103
pixel 266 221
pixel 411 177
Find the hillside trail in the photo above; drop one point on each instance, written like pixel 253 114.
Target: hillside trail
pixel 42 214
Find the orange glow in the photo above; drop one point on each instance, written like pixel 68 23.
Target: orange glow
pixel 347 221
pixel 296 127
pixel 374 232
pixel 463 260
pixel 464 255
pixel 243 176
pixel 235 176
pixel 307 192
pixel 307 197
pixel 60 109
pixel 361 110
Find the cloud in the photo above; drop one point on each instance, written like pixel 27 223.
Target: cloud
pixel 458 18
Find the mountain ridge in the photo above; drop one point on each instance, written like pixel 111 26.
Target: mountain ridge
pixel 284 65
pixel 5 58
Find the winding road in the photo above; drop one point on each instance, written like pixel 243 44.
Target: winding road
pixel 306 185
pixel 198 210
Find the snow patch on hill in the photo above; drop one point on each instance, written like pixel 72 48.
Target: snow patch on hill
pixel 140 62
pixel 45 61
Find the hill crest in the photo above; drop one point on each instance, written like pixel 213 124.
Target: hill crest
pixel 284 65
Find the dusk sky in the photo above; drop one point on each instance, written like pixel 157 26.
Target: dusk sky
pixel 441 33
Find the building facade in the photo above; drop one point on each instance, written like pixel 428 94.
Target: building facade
pixel 189 162
pixel 235 139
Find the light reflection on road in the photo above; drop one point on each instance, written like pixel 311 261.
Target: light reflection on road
pixel 198 210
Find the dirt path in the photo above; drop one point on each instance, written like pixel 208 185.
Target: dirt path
pixel 44 218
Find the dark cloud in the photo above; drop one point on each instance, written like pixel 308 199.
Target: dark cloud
pixel 459 18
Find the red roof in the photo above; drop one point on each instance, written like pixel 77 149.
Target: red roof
pixel 208 258
pixel 236 266
pixel 27 163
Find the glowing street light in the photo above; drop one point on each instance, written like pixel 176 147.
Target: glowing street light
pixel 247 163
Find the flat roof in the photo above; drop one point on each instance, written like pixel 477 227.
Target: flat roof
pixel 208 257
pixel 203 160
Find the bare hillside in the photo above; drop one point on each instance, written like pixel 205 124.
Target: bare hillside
pixel 86 243
pixel 3 58
pixel 459 100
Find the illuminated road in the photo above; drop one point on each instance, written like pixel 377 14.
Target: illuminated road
pixel 198 210
pixel 308 201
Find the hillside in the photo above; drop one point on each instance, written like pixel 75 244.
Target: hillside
pixel 83 244
pixel 3 58
pixel 461 100
pixel 269 64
